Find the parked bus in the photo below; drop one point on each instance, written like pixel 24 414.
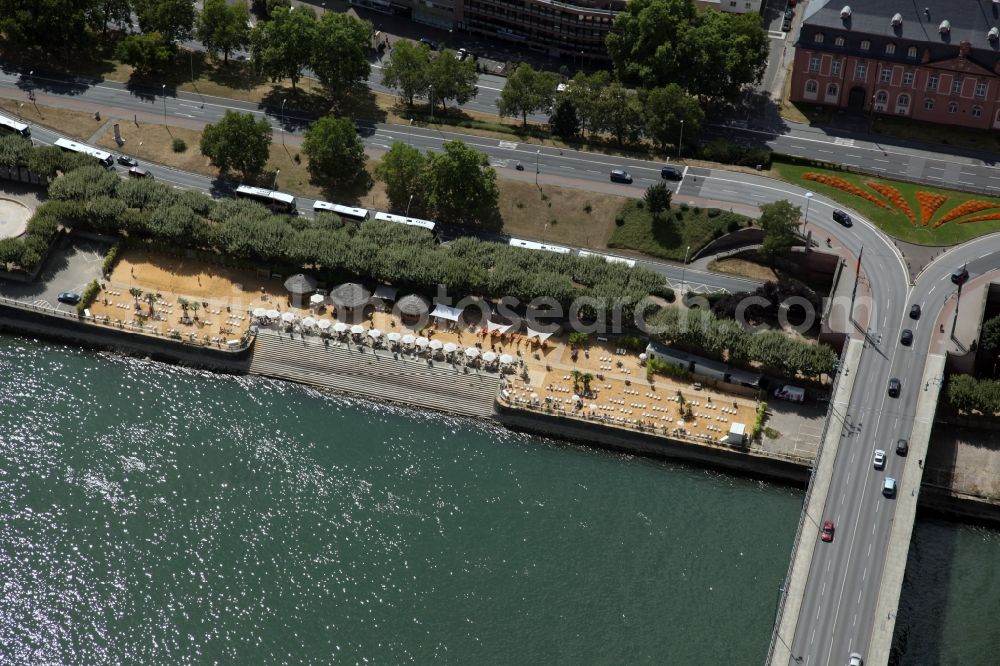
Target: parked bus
pixel 101 156
pixel 15 127
pixel 400 219
pixel 278 202
pixel 358 215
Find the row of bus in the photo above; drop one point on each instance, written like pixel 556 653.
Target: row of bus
pixel 280 202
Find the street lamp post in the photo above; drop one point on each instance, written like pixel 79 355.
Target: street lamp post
pixel 684 270
pixel 274 185
pixel 163 89
pixel 283 120
pixel 537 154
pixel 680 141
pixel 408 206
pixel 805 218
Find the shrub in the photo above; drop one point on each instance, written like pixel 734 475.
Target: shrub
pixel 729 152
pixel 658 367
pixel 111 258
pixel 713 212
pixel 87 297
pixel 179 145
pixel 587 208
pixel 632 343
pixel 758 423
pixel 620 220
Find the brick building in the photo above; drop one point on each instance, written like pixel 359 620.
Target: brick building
pixel 933 60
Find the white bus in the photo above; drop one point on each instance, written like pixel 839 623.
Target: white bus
pixel 278 202
pixel 15 127
pixel 401 219
pixel 358 215
pixel 101 156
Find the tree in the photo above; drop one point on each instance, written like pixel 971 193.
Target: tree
pixel 150 299
pixel 136 294
pixel 45 23
pixel 408 70
pixel 174 19
pixel 239 142
pixel 336 153
pixel 585 91
pixel 194 305
pixel 451 78
pixel 564 121
pixel 666 110
pixel 724 53
pixel 526 91
pixel 263 8
pixel 340 50
pixel 223 27
pixel 619 113
pixel 105 12
pixel 146 53
pixel 402 169
pixel 780 222
pixel 657 198
pixel 283 46
pixel 461 185
pixel 647 40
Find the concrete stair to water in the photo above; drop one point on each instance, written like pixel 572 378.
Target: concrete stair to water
pixel 379 375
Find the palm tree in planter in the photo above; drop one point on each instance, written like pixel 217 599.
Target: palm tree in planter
pixel 150 298
pixel 136 294
pixel 586 378
pixel 183 302
pixel 194 305
pixel 577 376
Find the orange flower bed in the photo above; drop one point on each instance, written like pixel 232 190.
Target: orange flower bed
pixel 929 203
pixel 841 184
pixel 980 218
pixel 895 198
pixel 972 206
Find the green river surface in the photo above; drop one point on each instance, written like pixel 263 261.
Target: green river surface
pixel 157 515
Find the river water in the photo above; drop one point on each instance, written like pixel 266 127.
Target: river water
pixel 157 515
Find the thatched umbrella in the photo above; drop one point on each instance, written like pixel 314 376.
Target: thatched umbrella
pixel 350 295
pixel 300 284
pixel 413 306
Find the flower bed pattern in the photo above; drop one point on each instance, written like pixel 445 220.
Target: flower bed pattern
pixel 841 184
pixel 980 218
pixel 972 206
pixel 895 198
pixel 929 203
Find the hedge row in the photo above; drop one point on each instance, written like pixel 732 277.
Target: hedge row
pixel 968 394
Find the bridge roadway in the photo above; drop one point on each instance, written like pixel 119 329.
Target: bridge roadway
pixel 841 589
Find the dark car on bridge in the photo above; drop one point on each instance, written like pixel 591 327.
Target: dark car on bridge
pixel 671 173
pixel 840 217
pixel 902 447
pixel 906 337
pixel 915 311
pixel 894 388
pixel 827 533
pixel 961 276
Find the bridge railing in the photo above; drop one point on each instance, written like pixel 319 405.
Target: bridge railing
pixel 805 507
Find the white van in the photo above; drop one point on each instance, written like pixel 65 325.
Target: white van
pixel 790 393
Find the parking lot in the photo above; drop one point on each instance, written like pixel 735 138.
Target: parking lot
pixel 70 267
pixel 800 427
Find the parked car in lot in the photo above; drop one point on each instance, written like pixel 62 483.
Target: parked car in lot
pixel 789 13
pixel 671 173
pixel 125 160
pixel 879 460
pixel 889 487
pixel 786 25
pixel 620 176
pixel 961 276
pixel 902 447
pixel 906 337
pixel 843 218
pixel 827 533
pixel 894 388
pixel 69 297
pixel 915 311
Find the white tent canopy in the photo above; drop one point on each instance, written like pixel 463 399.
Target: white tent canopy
pixel 506 359
pixel 446 312
pixel 374 333
pixel 323 324
pixel 394 337
pixel 309 321
pixel 471 352
pixel 408 339
pixel 357 329
pixel 287 317
pixel 502 328
pixel 542 337
pixel 259 312
pixel 422 342
pixel 489 356
pixel 316 299
pixel 273 314
pixel 450 348
pixel 340 327
pixel 436 344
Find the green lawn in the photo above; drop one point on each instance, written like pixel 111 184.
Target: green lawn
pixel 669 236
pixel 891 220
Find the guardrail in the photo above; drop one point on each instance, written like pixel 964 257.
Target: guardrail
pixel 805 507
pixel 244 342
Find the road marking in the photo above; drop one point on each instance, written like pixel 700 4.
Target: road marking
pixel 857 157
pixel 864 574
pixel 508 145
pixel 936 168
pixel 883 161
pixel 965 182
pixel 869 550
pixel 828 152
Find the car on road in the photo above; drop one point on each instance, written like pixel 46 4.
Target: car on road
pixel 915 311
pixel 125 160
pixel 840 217
pixel 69 297
pixel 786 25
pixel 827 533
pixel 906 337
pixel 894 388
pixel 855 660
pixel 889 487
pixel 879 460
pixel 960 276
pixel 431 44
pixel 671 173
pixel 902 447
pixel 789 13
pixel 519 166
pixel 620 176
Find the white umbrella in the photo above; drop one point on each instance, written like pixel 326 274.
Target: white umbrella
pixel 576 398
pixel 642 357
pixel 394 337
pixel 259 312
pixel 506 359
pixel 374 333
pixel 436 344
pixel 471 352
pixel 593 407
pixel 450 348
pixel 422 341
pixel 357 329
pixel 316 299
pixel 273 314
pixel 489 357
pixel 309 321
pixel 287 317
pixel 324 324
pixel 534 396
pixel 408 339
pixel 339 327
